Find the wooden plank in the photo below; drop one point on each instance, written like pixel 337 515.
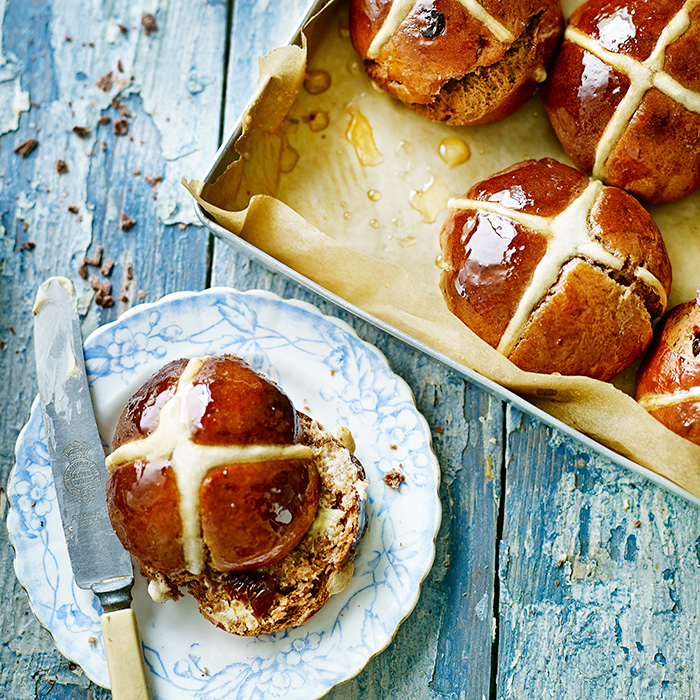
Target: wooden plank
pixel 171 83
pixel 599 594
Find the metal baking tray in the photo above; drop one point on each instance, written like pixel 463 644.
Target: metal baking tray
pixel 227 154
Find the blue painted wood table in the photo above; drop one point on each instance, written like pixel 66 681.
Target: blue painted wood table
pixel 557 574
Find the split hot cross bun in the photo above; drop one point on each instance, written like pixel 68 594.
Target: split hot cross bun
pixel 624 95
pixel 217 484
pixel 457 61
pixel 558 272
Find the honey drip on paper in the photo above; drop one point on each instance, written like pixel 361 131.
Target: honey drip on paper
pixel 408 241
pixel 317 120
pixel 288 157
pixel 453 151
pixel 374 195
pixel 359 134
pixel 431 200
pixel 316 82
pixel 374 223
pixel 440 262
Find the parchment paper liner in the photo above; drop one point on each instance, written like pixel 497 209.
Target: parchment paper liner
pixel 243 201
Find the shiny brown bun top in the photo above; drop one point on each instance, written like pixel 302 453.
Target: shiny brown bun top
pixel 206 470
pixel 668 382
pixel 556 271
pixel 624 95
pixel 457 61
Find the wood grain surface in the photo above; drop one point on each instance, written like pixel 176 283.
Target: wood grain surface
pixel 557 575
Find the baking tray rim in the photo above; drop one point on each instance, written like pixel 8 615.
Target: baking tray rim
pixel 220 161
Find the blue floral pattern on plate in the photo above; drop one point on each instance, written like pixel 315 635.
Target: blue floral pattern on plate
pixel 330 374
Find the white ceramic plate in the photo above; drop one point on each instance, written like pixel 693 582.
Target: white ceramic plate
pixel 330 374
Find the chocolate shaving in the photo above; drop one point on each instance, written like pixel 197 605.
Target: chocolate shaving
pixel 94 282
pixel 61 166
pixel 122 28
pixel 120 66
pixel 104 119
pixel 27 245
pixel 73 209
pixel 105 82
pixel 107 267
pixel 81 131
pixel 119 105
pixel 126 222
pixel 129 271
pixel 96 258
pixel 148 22
pixel 120 127
pixel 82 270
pixel 153 180
pixel 26 147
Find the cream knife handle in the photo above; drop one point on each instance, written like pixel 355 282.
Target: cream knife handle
pixel 127 672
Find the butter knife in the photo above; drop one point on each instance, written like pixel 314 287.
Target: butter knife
pixel 99 561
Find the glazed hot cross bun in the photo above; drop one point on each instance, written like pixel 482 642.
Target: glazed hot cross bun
pixel 457 61
pixel 558 272
pixel 216 483
pixel 624 95
pixel 668 382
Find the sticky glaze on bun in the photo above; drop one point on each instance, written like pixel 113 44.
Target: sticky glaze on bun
pixel 217 484
pixel 558 272
pixel 624 95
pixel 668 382
pixel 457 61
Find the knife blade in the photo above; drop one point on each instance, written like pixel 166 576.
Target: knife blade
pixel 99 561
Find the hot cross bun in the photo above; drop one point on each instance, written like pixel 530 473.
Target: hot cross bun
pixel 457 61
pixel 216 483
pixel 624 95
pixel 668 382
pixel 558 272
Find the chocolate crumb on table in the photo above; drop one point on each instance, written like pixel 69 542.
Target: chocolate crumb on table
pixel 107 266
pixel 106 81
pixel 82 271
pixel 153 180
pixel 61 166
pixel 73 209
pixel 148 22
pixel 104 119
pixel 121 107
pixel 26 147
pixel 27 245
pixel 126 222
pixel 120 126
pixel 81 131
pixel 393 478
pixel 96 258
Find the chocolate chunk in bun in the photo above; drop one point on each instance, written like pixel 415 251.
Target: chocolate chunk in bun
pixel 219 485
pixel 624 95
pixel 457 61
pixel 558 272
pixel 668 382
